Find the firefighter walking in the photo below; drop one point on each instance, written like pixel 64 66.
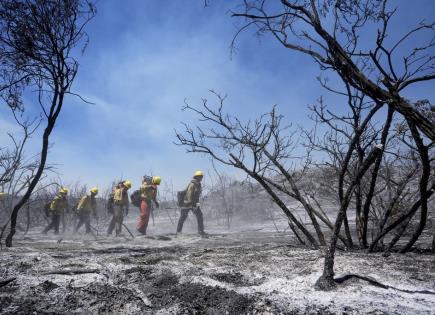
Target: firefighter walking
pixel 148 195
pixel 56 209
pixel 86 206
pixel 191 203
pixel 120 205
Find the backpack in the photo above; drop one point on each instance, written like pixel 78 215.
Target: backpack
pixel 180 197
pixel 135 198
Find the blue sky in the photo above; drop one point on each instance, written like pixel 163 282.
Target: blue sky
pixel 145 57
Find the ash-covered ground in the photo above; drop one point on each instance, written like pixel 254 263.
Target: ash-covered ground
pixel 247 270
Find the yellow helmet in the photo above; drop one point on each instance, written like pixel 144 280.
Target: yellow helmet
pixel 127 184
pixel 156 180
pixel 2 194
pixel 63 190
pixel 198 173
pixel 94 190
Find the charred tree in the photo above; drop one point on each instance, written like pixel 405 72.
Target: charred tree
pixel 380 71
pixel 37 45
pixel 326 281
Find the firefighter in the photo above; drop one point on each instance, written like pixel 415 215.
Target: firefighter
pixel 148 195
pixel 86 206
pixel 56 209
pixel 191 202
pixel 120 207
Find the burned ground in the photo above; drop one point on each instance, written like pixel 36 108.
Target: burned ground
pixel 227 273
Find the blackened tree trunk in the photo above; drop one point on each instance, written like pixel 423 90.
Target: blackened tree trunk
pixel 326 281
pixel 57 101
pixel 358 212
pixel 424 182
pixel 374 177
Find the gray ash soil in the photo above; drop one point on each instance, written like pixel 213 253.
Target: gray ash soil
pixel 224 274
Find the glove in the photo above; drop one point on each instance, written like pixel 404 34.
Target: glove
pixel 126 212
pixel 157 204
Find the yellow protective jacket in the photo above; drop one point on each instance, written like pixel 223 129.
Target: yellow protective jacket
pixel 59 203
pixel 193 193
pixel 120 197
pixel 87 204
pixel 148 192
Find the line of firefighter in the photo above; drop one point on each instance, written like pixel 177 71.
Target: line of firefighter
pixel 118 205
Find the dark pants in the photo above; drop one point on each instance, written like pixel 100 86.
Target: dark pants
pixel 84 218
pixel 117 219
pixel 54 224
pixel 197 212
